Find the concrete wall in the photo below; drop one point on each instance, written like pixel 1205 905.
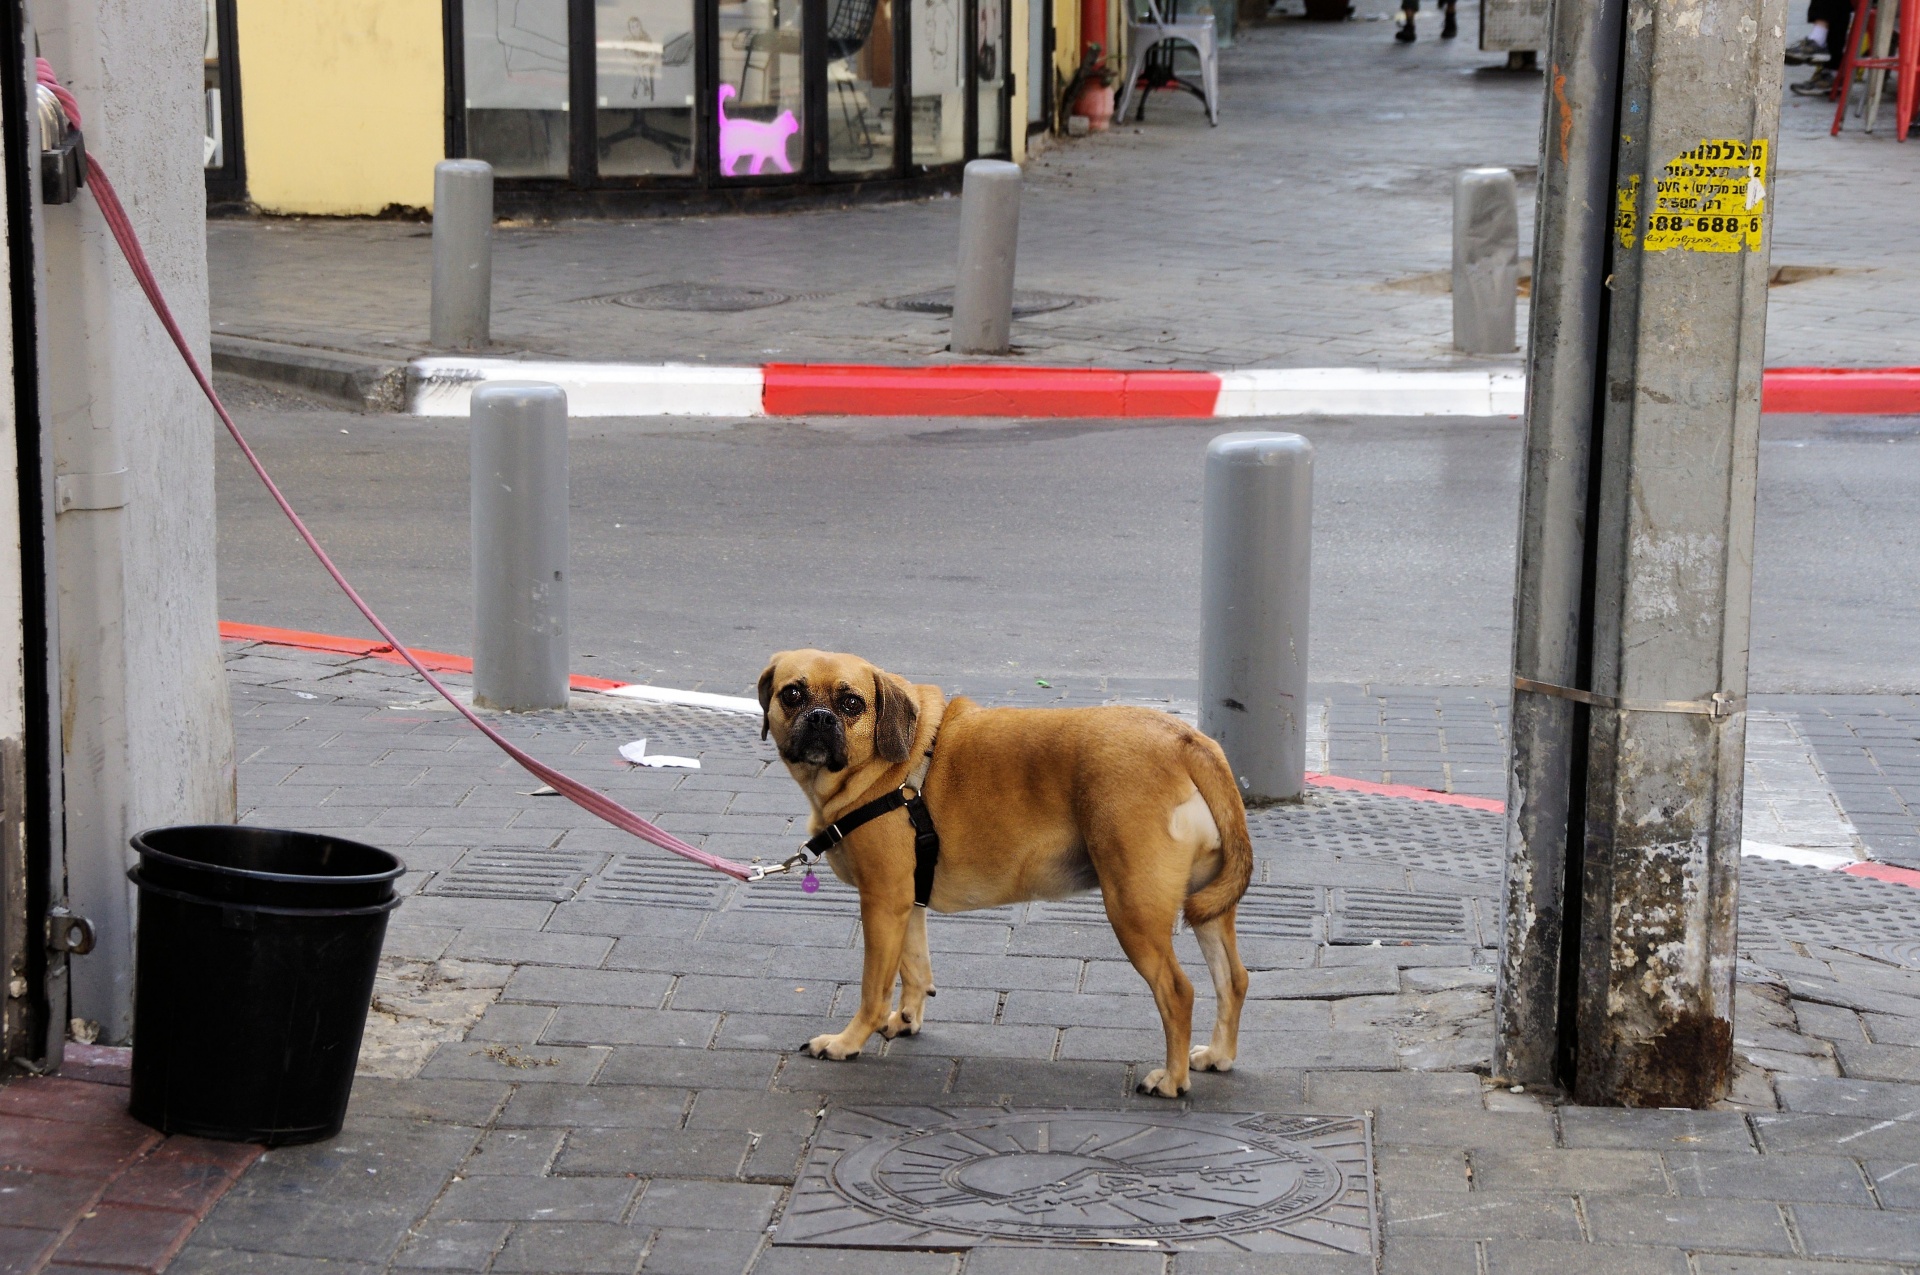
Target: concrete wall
pixel 343 103
pixel 148 736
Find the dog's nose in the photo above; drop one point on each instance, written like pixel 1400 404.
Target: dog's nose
pixel 819 717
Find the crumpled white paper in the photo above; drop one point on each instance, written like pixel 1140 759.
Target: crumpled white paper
pixel 636 752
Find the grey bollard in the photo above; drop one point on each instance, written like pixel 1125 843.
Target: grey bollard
pixel 1486 261
pixel 989 236
pixel 519 483
pixel 462 253
pixel 1256 546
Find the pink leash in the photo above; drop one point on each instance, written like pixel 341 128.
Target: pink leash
pixel 588 799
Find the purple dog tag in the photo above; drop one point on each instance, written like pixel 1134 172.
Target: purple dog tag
pixel 810 882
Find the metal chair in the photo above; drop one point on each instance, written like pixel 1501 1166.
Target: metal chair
pixel 1870 21
pixel 1146 73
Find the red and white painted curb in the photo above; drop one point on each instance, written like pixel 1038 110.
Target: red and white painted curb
pixel 442 386
pixel 441 662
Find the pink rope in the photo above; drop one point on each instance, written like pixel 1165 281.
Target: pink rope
pixel 591 800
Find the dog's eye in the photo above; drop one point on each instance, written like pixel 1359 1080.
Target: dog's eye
pixel 792 696
pixel 852 706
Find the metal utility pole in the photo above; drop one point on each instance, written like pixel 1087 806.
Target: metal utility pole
pixel 1635 571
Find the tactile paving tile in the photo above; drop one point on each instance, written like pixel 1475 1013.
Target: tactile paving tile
pixel 553 875
pixel 1168 1181
pixel 673 729
pixel 1362 916
pixel 657 879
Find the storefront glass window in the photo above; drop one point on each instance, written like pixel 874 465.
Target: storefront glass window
pixel 939 82
pixel 644 57
pixel 991 55
pixel 516 85
pixel 860 114
pixel 761 87
pixel 212 152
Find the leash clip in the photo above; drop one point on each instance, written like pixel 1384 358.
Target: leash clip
pixel 761 871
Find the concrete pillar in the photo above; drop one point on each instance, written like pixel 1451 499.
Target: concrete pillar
pixel 1486 261
pixel 1635 583
pixel 519 484
pixel 462 254
pixel 148 739
pixel 1255 570
pixel 989 238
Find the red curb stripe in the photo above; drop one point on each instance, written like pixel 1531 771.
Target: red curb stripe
pixel 1340 783
pixel 1884 872
pixel 1874 391
pixel 438 661
pixel 845 389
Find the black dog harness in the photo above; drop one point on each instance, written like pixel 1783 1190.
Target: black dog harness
pixel 908 796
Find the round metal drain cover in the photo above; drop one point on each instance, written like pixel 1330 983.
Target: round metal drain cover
pixel 954 1177
pixel 712 298
pixel 1025 304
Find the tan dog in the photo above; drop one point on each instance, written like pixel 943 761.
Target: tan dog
pixel 1029 803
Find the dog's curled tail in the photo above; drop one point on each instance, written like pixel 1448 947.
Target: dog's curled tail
pixel 1207 767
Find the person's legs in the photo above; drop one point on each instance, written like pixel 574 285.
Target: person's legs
pixel 1405 34
pixel 1451 27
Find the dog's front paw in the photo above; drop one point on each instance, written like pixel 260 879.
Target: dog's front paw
pixel 902 1024
pixel 829 1046
pixel 1204 1059
pixel 1160 1084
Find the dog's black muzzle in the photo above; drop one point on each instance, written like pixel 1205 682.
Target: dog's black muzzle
pixel 818 739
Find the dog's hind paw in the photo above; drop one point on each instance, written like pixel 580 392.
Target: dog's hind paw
pixel 830 1047
pixel 1159 1084
pixel 1203 1059
pixel 899 1024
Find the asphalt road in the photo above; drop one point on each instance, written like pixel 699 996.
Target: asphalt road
pixel 941 548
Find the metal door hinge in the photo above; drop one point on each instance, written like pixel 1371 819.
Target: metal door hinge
pixel 68 933
pixel 90 491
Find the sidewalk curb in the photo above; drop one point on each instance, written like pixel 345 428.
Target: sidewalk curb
pixel 364 384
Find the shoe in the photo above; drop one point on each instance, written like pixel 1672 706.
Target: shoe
pixel 1804 50
pixel 1451 28
pixel 1405 34
pixel 1819 84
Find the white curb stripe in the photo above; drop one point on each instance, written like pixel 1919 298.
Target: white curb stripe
pixel 691 699
pixel 1359 391
pixel 443 387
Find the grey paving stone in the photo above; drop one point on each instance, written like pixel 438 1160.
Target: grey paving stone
pixel 1830 1179
pixel 1528 1257
pixel 1750 1225
pixel 714 1153
pixel 762 1032
pixel 601 1106
pixel 1426 1169
pixel 706 1206
pixel 901 1077
pixel 689 1068
pixel 555 986
pixel 1322 984
pixel 1033 1083
pixel 688 956
pixel 624 1025
pixel 538 1247
pixel 1398 957
pixel 462 913
pixel 530 947
pixel 970 1005
pixel 1008 973
pixel 1248 1089
pixel 996 1259
pixel 758 1112
pixel 531 1064
pixel 1899 1063
pixel 1428 1256
pixel 844 1261
pixel 1480 1215
pixel 683 1251
pixel 1267 1264
pixel 522 1023
pixel 1655 1130
pixel 820 930
pixel 1886 1029
pixel 976 1040
pixel 1833 1230
pixel 1896 1182
pixel 1745 1264
pixel 535 1199
pixel 513 1152
pixel 1834 1097
pixel 197 1259
pixel 762 995
pixel 1785 1133
pixel 1367 1091
pixel 1581 1171
pixel 458 1102
pixel 1416 1126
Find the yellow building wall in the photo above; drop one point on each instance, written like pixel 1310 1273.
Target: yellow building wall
pixel 343 103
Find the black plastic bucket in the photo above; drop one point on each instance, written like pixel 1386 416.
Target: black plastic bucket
pixel 256 959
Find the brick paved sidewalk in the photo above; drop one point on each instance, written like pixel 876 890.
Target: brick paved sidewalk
pixel 1305 231
pixel 581 1055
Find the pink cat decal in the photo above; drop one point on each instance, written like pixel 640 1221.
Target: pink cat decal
pixel 760 143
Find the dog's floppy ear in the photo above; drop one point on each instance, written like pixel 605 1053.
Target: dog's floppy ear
pixel 894 714
pixel 766 695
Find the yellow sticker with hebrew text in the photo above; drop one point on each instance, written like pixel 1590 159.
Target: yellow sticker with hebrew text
pixel 1712 198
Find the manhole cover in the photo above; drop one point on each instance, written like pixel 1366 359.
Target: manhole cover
pixel 1025 304
pixel 956 1177
pixel 713 298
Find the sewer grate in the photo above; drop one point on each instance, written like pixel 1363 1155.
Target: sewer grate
pixel 655 879
pixel 1025 304
pixel 704 298
pixel 518 873
pixel 1280 912
pixel 959 1177
pixel 1388 916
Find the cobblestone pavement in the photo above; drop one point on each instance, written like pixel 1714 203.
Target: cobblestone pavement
pixel 1304 231
pixel 581 1054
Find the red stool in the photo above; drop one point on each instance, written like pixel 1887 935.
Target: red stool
pixel 1905 65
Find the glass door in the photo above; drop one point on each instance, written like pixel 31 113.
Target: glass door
pixel 760 100
pixel 221 152
pixel 515 62
pixel 991 76
pixel 644 57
